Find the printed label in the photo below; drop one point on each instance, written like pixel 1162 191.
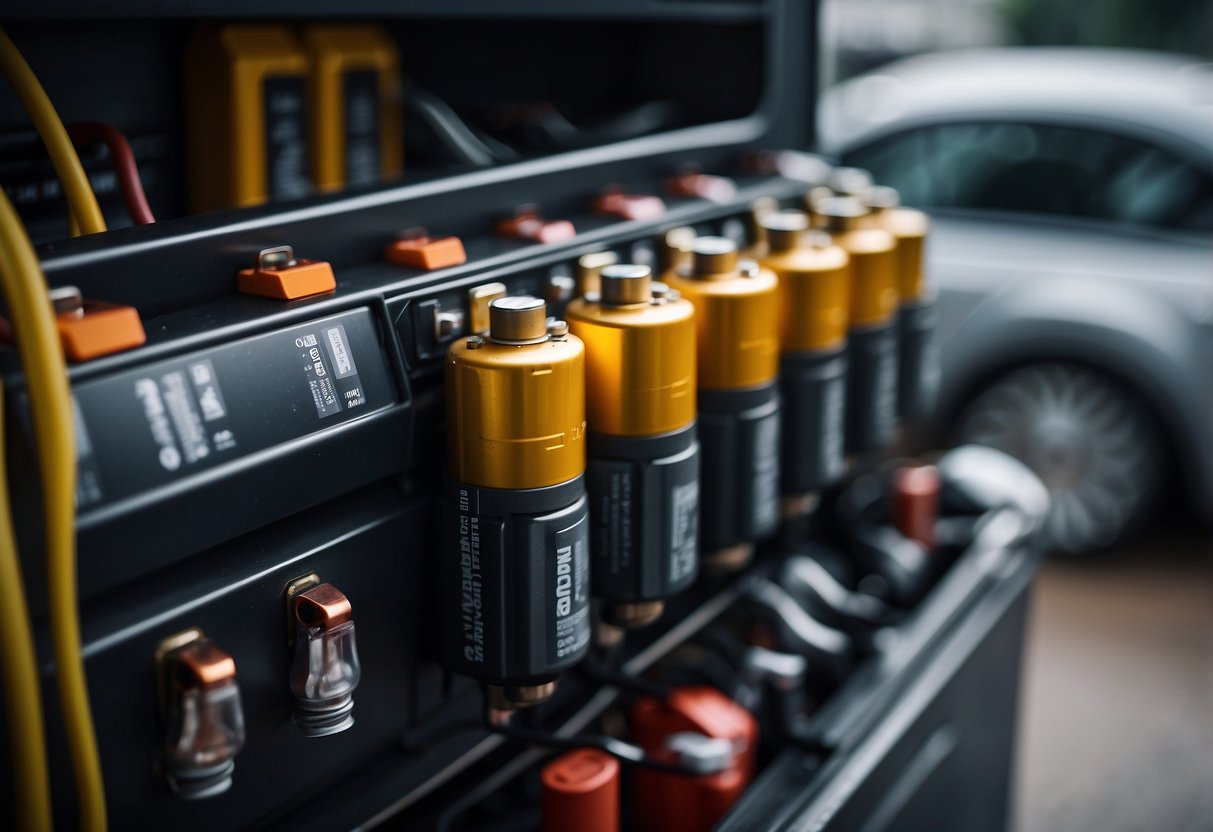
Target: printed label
pixel 285 113
pixel 930 372
pixel 185 415
pixel 471 581
pixel 885 379
pixel 341 356
pixel 362 163
pixel 153 424
pixel 833 429
pixel 332 375
pixel 766 472
pixel 206 388
pixel 616 529
pixel 571 622
pixel 88 475
pixel 684 509
pixel 186 418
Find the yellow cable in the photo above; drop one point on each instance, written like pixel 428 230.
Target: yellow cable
pixel 81 200
pixel 51 408
pixel 31 785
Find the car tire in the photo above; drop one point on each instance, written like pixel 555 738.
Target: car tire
pixel 1094 445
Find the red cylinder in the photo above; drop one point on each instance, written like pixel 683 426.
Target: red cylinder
pixel 681 803
pixel 915 501
pixel 581 792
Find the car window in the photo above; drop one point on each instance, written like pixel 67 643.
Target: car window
pixel 1048 169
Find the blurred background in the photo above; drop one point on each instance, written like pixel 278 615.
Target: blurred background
pixel 1078 177
pixel 860 35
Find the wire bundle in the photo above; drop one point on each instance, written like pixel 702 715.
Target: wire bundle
pixel 25 291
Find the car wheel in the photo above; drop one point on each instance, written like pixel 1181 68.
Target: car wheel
pixel 1093 445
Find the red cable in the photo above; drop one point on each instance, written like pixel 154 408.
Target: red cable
pixel 124 166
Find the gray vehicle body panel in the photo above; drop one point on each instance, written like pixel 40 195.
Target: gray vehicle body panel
pixel 1134 304
pixel 1016 288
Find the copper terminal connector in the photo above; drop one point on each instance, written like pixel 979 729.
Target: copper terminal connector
pixel 322 606
pixel 201 664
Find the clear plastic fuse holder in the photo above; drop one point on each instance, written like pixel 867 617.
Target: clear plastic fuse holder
pixel 325 671
pixel 202 716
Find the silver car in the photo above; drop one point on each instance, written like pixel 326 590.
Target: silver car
pixel 1072 192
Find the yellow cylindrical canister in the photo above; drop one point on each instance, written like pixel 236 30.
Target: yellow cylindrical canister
pixel 736 310
pixel 737 349
pixel 874 265
pixel 815 292
pixel 642 474
pixel 910 228
pixel 640 355
pixel 814 282
pixel 516 401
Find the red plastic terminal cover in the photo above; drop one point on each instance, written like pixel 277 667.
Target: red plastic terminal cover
pixel 528 225
pixel 581 792
pixel 618 203
pixel 679 803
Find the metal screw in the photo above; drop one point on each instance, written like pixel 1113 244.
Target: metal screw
pixel 475 342
pixel 67 300
pixel 557 329
pixel 278 257
pixel 663 294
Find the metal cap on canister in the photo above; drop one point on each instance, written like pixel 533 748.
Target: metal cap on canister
pixel 785 230
pixel 518 320
pixel 850 181
pixel 841 213
pixel 713 256
pixel 882 198
pixel 626 284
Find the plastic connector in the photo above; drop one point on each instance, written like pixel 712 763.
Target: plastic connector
pixel 618 203
pixel 416 249
pixel 282 276
pixel 693 184
pixel 201 713
pixel 89 329
pixel 326 670
pixel 528 225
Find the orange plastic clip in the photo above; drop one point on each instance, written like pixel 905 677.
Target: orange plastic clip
pixel 420 251
pixel 89 329
pixel 278 274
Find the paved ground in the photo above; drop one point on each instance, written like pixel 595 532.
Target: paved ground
pixel 1117 721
